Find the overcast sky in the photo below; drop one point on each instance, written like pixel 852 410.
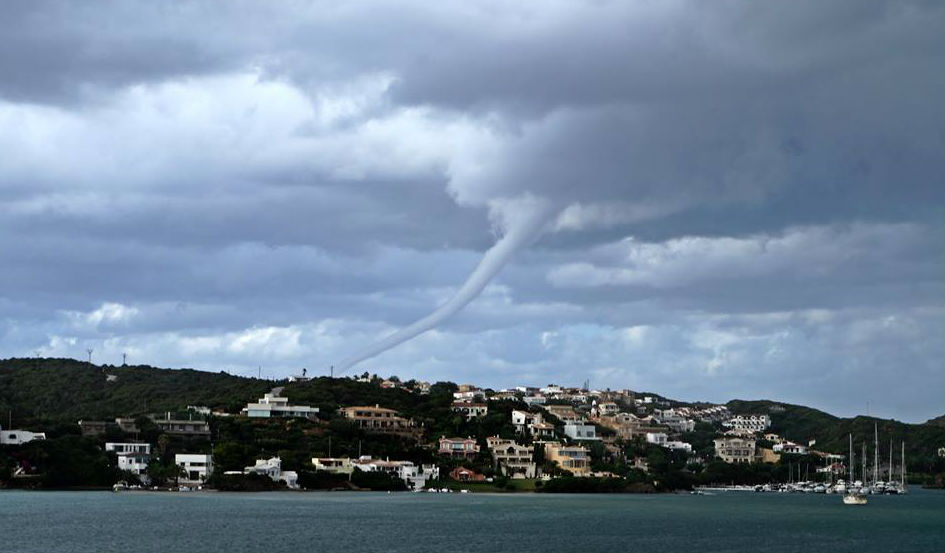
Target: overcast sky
pixel 743 199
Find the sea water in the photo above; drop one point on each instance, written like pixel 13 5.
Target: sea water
pixel 355 521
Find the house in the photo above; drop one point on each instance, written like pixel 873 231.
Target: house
pixel 564 413
pixel 458 447
pixel 18 437
pixel 514 459
pixel 683 446
pixel 572 458
pixel 674 419
pixel 535 400
pixel 470 394
pixel 790 447
pixel 463 474
pixel 532 423
pixel 657 438
pixel 336 465
pixel 604 408
pixel 197 467
pixel 92 428
pixel 752 423
pixel 132 457
pixel 127 425
pixel 299 377
pixel 378 419
pixel 182 427
pixel 415 477
pixel 470 410
pixel 580 431
pixel 272 405
pixel 272 468
pixel 735 450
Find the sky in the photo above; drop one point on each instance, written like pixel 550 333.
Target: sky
pixel 707 200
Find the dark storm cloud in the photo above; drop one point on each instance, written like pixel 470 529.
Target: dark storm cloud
pixel 749 193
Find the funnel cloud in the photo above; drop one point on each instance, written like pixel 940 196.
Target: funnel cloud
pixel 521 228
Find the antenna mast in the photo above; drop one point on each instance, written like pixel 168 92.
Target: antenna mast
pixel 89 351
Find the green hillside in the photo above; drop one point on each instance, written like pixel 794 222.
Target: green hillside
pixel 801 424
pixel 66 390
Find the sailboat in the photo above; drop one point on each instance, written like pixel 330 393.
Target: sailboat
pixel 853 496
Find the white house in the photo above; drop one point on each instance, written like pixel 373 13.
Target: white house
pixel 580 431
pixel 684 446
pixel 198 467
pixel 675 420
pixel 658 438
pixel 790 447
pixel 752 423
pixel 18 437
pixel 271 405
pixel 272 468
pixel 132 456
pixel 413 475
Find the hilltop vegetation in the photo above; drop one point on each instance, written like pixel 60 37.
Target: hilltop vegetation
pixel 61 390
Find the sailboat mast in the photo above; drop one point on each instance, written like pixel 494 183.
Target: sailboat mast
pixel 864 474
pixel 850 459
pixel 902 468
pixel 875 452
pixel 890 472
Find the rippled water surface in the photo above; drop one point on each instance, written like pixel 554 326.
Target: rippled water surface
pixel 325 521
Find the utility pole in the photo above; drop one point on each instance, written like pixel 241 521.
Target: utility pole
pixel 331 372
pixel 89 351
pixel 124 359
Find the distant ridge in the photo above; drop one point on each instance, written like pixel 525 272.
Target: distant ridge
pixel 937 421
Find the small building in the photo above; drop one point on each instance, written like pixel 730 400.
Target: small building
pixel 336 465
pixel 197 467
pixel 272 405
pixel 572 458
pixel 463 474
pixel 580 431
pixel 458 447
pixel 470 410
pixel 677 445
pixel 735 450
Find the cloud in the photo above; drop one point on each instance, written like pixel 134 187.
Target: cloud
pixel 747 196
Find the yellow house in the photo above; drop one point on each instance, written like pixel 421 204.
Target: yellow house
pixel 572 458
